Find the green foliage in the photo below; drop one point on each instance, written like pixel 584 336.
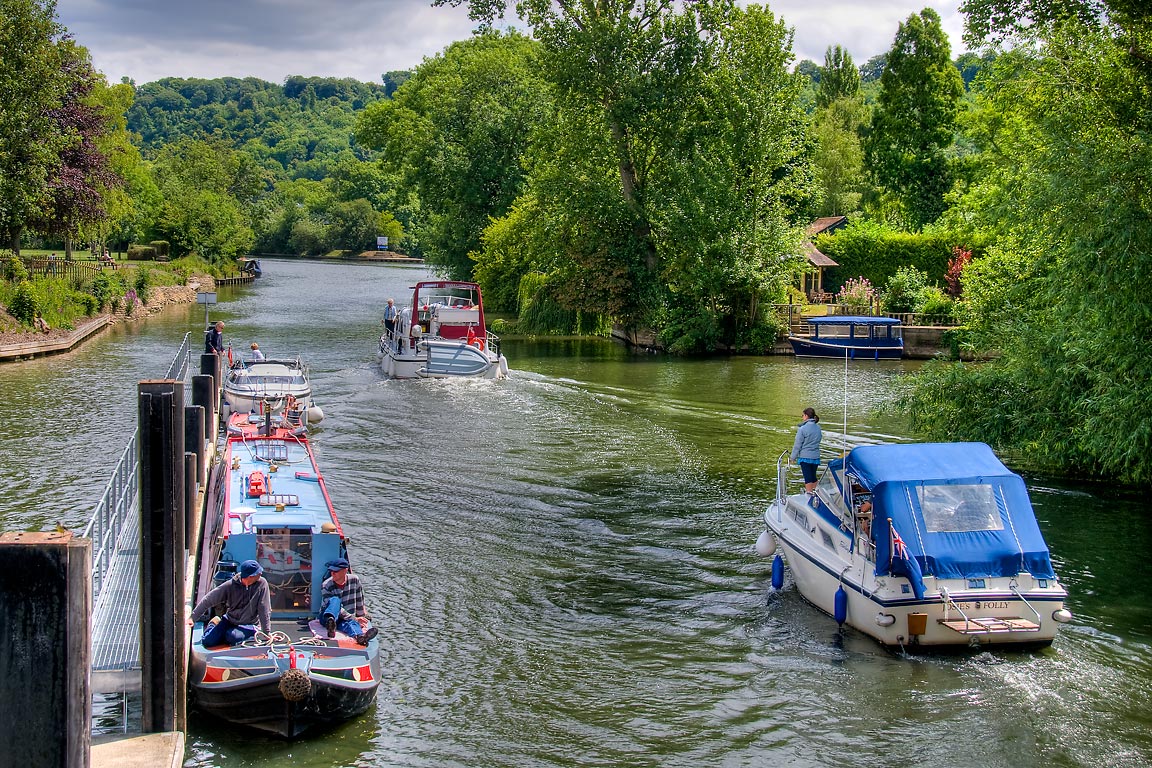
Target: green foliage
pixel 1062 190
pixel 877 252
pixel 542 313
pixel 298 130
pixel 24 305
pixel 839 78
pixel 210 192
pixel 915 119
pixel 932 300
pixel 839 157
pixel 455 132
pixel 902 291
pixel 88 303
pixel 14 269
pixel 34 87
pixel 142 284
pixel 106 285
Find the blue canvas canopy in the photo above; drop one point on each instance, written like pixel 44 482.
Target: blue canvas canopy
pixel 852 320
pixel 958 510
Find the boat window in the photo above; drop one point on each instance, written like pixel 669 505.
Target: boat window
pixel 959 508
pixel 862 331
pixel 834 331
pixel 286 554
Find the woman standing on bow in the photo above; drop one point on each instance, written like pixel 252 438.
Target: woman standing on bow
pixel 806 448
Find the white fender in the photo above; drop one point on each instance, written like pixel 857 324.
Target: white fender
pixel 766 544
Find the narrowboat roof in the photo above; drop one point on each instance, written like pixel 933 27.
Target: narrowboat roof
pixel 852 320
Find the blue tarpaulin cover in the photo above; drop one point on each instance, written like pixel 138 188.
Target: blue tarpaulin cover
pixel 958 510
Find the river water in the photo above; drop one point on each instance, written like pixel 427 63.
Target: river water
pixel 561 563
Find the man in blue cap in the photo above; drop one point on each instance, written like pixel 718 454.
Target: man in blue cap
pixel 246 600
pixel 342 604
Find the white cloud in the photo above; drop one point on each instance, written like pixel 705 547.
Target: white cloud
pixel 272 39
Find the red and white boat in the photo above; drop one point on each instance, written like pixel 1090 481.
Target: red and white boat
pixel 442 334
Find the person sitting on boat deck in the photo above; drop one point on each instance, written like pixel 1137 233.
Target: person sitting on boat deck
pixel 391 314
pixel 342 604
pixel 214 339
pixel 247 600
pixel 257 355
pixel 864 517
pixel 806 448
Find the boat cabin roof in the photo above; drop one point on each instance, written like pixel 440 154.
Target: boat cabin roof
pixel 851 320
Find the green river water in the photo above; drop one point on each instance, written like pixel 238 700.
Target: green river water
pixel 561 563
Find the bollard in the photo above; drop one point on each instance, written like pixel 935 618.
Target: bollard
pixel 194 439
pixel 45 650
pixel 202 390
pixel 162 530
pixel 210 365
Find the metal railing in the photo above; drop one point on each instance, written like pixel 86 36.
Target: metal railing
pixel 120 496
pixel 112 510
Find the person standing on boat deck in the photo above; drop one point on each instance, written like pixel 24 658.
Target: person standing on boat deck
pixel 214 340
pixel 342 604
pixel 257 355
pixel 391 313
pixel 806 448
pixel 247 600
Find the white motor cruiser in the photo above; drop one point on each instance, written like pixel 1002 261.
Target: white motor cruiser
pixel 931 544
pixel 442 334
pixel 280 386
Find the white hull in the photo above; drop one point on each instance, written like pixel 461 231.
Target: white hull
pixel 1017 611
pixel 441 359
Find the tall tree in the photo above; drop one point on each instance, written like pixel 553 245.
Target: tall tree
pixel 623 70
pixel 839 77
pixel 209 195
pixel 839 157
pixel 1062 191
pixel 915 118
pixel 455 132
pixel 33 89
pixel 79 184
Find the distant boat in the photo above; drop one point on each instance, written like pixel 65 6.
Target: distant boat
pixel 251 266
pixel 442 335
pixel 931 544
pixel 857 337
pixel 268 502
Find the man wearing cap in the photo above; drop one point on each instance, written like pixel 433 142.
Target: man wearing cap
pixel 246 600
pixel 342 604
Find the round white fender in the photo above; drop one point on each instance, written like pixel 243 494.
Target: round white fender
pixel 766 544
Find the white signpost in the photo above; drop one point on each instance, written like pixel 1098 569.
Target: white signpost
pixel 207 299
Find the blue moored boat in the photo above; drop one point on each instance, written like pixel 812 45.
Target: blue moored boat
pixel 855 336
pixel 931 544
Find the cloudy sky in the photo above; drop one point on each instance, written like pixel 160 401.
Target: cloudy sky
pixel 272 39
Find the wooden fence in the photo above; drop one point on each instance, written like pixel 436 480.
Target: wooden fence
pixel 58 267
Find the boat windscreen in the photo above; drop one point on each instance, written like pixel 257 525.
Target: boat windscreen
pixel 959 508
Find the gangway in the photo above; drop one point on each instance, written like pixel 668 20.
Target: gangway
pixel 114 529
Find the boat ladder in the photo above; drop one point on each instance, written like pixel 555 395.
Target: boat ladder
pixel 986 625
